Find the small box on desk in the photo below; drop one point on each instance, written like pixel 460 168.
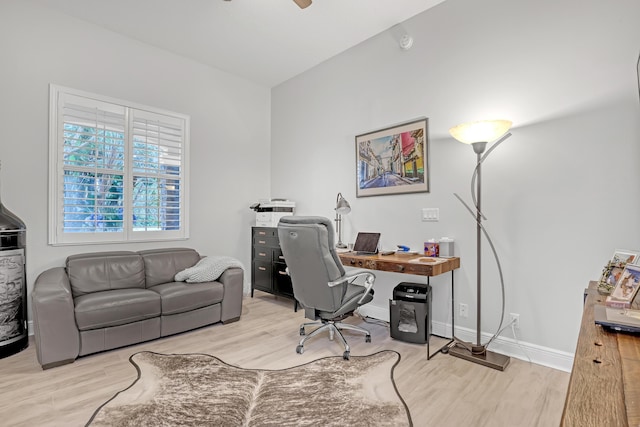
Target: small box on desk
pixel 614 303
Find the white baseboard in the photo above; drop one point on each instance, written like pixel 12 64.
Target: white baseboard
pixel 537 354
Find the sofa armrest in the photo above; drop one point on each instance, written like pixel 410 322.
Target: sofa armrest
pixel 232 279
pixel 57 336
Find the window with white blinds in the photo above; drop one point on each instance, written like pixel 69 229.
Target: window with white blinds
pixel 117 170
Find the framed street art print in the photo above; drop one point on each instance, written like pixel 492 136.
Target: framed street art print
pixel 393 160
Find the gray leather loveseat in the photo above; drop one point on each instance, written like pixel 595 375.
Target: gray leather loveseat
pixel 106 300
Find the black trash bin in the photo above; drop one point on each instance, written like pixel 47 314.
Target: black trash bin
pixel 410 312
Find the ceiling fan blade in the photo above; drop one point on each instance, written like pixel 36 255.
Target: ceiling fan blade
pixel 303 3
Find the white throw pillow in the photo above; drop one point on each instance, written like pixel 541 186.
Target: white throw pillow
pixel 207 269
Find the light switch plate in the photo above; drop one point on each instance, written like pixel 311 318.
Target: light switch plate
pixel 430 214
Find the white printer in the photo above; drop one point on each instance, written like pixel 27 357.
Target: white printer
pixel 269 211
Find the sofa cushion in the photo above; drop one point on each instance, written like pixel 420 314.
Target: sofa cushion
pixel 116 307
pixel 161 265
pixel 180 297
pixel 103 271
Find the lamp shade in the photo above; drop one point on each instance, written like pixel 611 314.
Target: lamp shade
pixel 481 131
pixel 342 206
pixel 303 3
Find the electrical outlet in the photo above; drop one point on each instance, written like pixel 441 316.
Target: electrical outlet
pixel 515 319
pixel 463 310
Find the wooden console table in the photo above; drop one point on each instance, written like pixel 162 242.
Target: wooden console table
pixel 604 389
pixel 417 264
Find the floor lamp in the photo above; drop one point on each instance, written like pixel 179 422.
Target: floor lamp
pixel 479 134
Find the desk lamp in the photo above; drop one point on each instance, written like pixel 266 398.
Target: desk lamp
pixel 342 208
pixel 478 135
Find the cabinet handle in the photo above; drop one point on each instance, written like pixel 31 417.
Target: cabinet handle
pixel 262 233
pixel 280 257
pixel 283 273
pixel 401 268
pixel 262 242
pixel 261 254
pixel 262 268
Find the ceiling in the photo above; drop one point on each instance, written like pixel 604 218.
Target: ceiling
pixel 265 41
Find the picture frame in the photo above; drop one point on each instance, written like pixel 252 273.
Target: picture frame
pixel 609 278
pixel 627 285
pixel 393 160
pixel 625 256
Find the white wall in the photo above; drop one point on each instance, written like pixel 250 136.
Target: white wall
pixel 230 126
pixel 560 195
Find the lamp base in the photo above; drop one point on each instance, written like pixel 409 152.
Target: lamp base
pixel 488 358
pixel 341 246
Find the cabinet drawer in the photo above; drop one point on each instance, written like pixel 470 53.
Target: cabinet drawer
pixel 265 241
pixel 262 253
pixel 282 281
pixel 277 255
pixel 265 232
pixel 261 273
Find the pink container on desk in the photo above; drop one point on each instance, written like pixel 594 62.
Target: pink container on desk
pixel 431 249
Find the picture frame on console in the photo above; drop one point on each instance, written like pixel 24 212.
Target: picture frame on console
pixel 626 287
pixel 615 267
pixel 612 275
pixel 393 160
pixel 625 256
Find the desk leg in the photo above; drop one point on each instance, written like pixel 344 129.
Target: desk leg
pixel 429 319
pixel 453 312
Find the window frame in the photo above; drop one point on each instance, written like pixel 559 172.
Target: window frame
pixel 57 236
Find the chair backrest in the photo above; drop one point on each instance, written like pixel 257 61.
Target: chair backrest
pixel 308 247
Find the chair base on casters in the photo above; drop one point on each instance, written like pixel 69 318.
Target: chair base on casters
pixel 334 330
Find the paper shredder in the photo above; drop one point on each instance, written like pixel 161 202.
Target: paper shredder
pixel 410 312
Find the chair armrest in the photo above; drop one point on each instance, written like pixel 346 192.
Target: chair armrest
pixel 368 281
pixel 233 281
pixel 56 333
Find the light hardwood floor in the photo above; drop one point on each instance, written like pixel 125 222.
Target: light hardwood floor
pixel 444 391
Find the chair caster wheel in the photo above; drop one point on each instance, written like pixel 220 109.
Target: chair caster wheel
pixel 345 355
pixel 302 331
pixel 367 338
pixel 299 349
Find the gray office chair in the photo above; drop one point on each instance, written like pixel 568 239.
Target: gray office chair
pixel 320 283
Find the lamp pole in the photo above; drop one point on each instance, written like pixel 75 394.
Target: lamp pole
pixel 342 207
pixel 339 227
pixel 477 134
pixel 478 252
pixel 478 148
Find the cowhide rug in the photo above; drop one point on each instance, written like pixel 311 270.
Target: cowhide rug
pixel 202 390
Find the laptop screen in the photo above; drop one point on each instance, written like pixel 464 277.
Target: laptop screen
pixel 366 243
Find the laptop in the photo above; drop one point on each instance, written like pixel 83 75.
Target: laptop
pixel 618 319
pixel 366 243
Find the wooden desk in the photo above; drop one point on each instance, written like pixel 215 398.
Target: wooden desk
pixel 604 389
pixel 408 264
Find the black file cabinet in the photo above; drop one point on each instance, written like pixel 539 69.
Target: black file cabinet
pixel 268 267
